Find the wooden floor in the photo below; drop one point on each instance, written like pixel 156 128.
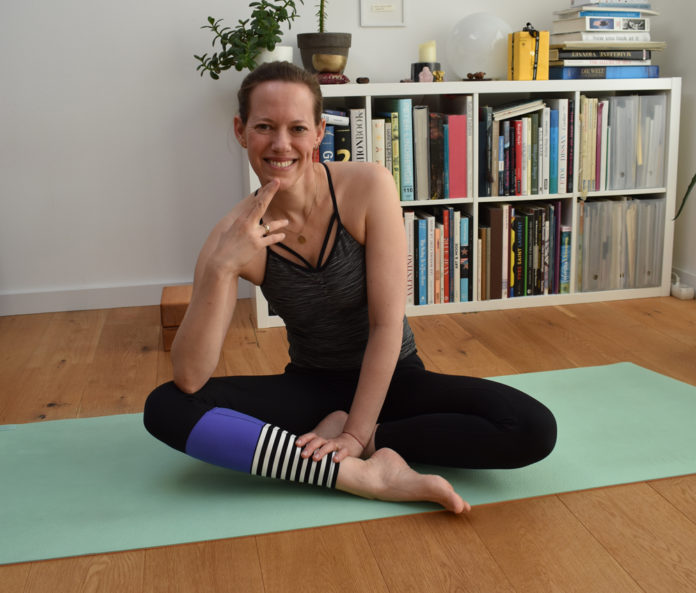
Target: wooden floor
pixel 632 538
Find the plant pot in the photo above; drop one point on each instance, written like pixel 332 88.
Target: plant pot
pixel 324 52
pixel 281 53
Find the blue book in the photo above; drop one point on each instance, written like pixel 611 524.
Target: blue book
pixel 464 263
pixel 326 148
pixel 553 152
pixel 422 226
pixel 626 14
pixel 565 260
pixel 602 72
pixel 445 169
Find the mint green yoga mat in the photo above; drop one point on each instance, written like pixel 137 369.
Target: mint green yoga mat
pixel 72 487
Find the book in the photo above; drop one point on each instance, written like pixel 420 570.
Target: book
pixel 600 23
pixel 609 45
pixel 378 141
pixel 437 156
pixel 426 255
pixel 553 151
pixel 469 108
pixel 409 223
pixel 465 240
pixel 404 108
pixel 342 143
pixel 421 261
pixel 335 119
pixel 358 135
pixel 421 152
pixel 388 144
pixel 603 36
pixel 564 280
pixel 561 105
pixel 485 150
pixel 599 54
pixel 457 149
pixel 611 3
pixel 445 164
pixel 517 108
pixel 604 10
pixel 327 147
pixel 603 72
pixel 396 155
pixel 493 217
pixel 570 164
pixel 600 62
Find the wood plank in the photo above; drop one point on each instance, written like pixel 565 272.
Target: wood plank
pixel 14 577
pixel 642 344
pixel 447 347
pixel 680 491
pixel 122 572
pixel 223 565
pixel 503 332
pixel 541 546
pixel 335 558
pixel 670 316
pixel 125 363
pixel 433 552
pixel 643 532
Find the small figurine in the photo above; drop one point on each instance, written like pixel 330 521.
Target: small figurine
pixel 439 75
pixel 476 75
pixel 425 75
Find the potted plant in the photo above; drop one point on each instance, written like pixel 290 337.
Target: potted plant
pixel 322 51
pixel 241 46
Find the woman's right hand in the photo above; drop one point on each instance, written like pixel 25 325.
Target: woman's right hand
pixel 241 240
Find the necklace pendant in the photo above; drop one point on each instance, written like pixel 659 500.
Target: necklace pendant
pixel 301 239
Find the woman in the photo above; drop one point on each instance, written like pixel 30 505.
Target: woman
pixel 326 244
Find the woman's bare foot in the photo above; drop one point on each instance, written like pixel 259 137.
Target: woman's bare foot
pixel 331 426
pixel 386 476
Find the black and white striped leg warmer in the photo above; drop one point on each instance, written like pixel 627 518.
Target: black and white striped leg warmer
pixel 276 456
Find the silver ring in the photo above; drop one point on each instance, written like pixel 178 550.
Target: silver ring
pixel 266 228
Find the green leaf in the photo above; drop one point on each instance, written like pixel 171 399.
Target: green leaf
pixel 686 195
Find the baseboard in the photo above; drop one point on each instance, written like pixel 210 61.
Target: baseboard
pixel 688 278
pixel 81 299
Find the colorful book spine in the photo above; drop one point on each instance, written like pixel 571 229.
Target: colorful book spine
pixel 342 143
pixel 358 130
pixel 409 227
pixel 422 262
pixel 404 108
pixel 457 143
pixel 327 147
pixel 396 155
pixel 446 162
pixel 464 258
pixel 553 152
pixel 603 72
pixel 378 144
pixel 565 260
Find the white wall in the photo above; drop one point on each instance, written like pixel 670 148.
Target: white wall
pixel 116 158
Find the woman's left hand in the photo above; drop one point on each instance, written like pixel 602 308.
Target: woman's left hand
pixel 316 447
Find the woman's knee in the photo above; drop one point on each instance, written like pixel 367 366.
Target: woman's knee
pixel 540 434
pixel 170 414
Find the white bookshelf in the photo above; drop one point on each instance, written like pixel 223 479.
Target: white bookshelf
pixel 496 93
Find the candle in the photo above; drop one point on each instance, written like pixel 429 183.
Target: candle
pixel 426 52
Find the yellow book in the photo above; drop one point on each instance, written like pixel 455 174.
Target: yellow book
pixel 523 56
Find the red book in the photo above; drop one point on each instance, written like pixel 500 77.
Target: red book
pixel 518 156
pixel 446 255
pixel 457 155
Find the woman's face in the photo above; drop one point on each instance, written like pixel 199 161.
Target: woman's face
pixel 280 134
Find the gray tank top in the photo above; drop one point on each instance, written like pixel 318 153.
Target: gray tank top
pixel 325 307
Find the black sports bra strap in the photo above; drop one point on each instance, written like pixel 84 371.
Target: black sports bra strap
pixel 297 255
pixel 333 195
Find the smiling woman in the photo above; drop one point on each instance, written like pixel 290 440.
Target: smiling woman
pixel 326 244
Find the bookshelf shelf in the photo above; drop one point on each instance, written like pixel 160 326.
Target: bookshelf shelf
pixel 447 97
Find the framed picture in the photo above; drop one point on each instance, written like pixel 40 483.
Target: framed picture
pixel 382 13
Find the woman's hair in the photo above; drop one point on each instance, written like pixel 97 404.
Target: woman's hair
pixel 282 72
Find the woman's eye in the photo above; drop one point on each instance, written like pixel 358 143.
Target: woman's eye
pixel 299 129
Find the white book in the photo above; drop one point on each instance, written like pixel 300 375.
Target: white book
pixel 603 122
pixel 409 220
pixel 358 135
pixel 378 142
pixel 560 38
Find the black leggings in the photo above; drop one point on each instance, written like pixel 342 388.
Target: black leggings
pixel 431 418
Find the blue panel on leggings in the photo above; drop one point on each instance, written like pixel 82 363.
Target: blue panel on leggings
pixel 225 438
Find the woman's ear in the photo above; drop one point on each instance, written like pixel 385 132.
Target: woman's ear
pixel 320 133
pixel 239 129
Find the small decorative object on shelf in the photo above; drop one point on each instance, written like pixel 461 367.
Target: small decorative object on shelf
pixel 528 54
pixel 479 42
pixel 427 65
pixel 332 78
pixel 324 52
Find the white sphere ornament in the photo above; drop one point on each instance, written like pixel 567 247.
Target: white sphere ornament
pixel 478 43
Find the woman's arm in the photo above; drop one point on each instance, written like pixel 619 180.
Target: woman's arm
pixel 385 253
pixel 231 251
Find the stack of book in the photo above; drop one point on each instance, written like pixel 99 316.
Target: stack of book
pixel 603 39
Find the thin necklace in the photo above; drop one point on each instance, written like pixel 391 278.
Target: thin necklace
pixel 301 239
